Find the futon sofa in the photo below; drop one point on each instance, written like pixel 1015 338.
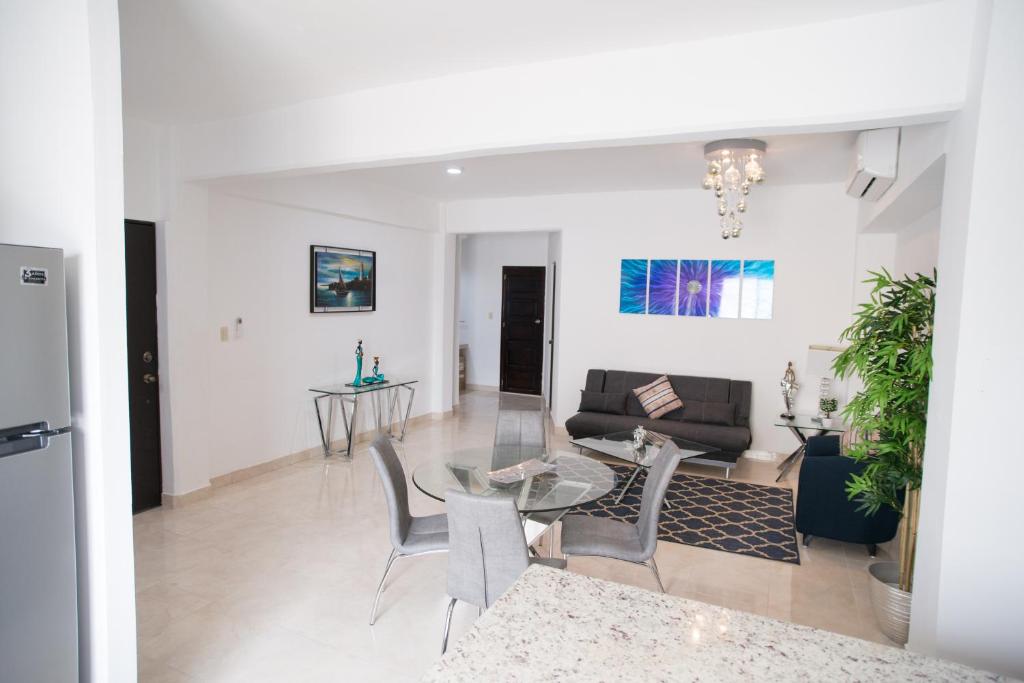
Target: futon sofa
pixel 715 411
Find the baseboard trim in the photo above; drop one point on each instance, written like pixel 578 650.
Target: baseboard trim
pixel 480 387
pixel 177 501
pixel 235 476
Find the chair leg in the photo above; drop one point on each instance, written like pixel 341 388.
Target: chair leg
pixel 380 588
pixel 872 549
pixel 807 540
pixel 654 570
pixel 551 541
pixel 447 626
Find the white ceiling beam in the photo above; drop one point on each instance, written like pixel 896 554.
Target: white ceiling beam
pixel 893 68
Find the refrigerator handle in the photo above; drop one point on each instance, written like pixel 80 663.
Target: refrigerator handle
pixel 40 433
pixel 21 440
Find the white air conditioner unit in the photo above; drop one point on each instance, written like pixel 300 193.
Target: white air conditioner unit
pixel 874 168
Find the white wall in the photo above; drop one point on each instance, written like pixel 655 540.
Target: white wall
pixel 258 404
pixel 812 76
pixel 147 164
pixel 61 186
pixel 241 249
pixel 480 264
pixel 917 245
pixel 810 231
pixel 968 595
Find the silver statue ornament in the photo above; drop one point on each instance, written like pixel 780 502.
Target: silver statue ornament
pixel 789 387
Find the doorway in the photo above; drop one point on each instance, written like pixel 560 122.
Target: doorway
pixel 143 364
pixel 522 329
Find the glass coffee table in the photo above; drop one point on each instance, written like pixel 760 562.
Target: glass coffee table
pixel 619 445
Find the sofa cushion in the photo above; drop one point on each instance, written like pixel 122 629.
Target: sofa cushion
pixel 658 398
pixel 687 389
pixel 626 382
pixel 599 402
pixel 595 380
pixel 731 439
pixel 710 412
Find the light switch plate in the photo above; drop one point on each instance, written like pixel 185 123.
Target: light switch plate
pixel 224 333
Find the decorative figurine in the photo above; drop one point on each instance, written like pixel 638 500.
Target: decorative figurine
pixel 639 438
pixel 359 365
pixel 789 387
pixel 377 377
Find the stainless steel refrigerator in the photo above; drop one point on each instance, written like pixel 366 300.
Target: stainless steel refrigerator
pixel 38 584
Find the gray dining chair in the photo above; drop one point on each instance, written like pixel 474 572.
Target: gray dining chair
pixel 410 535
pixel 487 551
pixel 636 543
pixel 520 428
pixel 519 435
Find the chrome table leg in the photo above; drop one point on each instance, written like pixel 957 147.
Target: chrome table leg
pixel 324 438
pixel 629 483
pixel 408 410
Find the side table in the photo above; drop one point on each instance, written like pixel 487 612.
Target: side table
pixel 803 426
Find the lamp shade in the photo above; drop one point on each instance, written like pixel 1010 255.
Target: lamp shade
pixel 820 358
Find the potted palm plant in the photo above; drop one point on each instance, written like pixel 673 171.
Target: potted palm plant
pixel 890 350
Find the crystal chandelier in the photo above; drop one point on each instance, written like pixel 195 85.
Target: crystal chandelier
pixel 733 166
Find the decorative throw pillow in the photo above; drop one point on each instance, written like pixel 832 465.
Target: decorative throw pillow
pixel 599 402
pixel 658 398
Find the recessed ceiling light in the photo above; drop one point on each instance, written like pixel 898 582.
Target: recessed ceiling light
pixel 453 170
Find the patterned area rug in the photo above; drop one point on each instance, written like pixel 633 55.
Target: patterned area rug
pixel 719 514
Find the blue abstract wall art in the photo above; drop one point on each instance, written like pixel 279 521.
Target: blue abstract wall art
pixel 698 288
pixel 693 288
pixel 633 286
pixel 661 295
pixel 757 290
pixel 724 292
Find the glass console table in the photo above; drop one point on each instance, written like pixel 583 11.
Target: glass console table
pixel 385 395
pixel 803 426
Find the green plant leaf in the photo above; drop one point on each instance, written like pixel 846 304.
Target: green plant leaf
pixel 890 350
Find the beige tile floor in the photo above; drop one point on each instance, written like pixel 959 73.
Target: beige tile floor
pixel 272 578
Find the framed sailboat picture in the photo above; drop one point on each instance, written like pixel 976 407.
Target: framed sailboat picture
pixel 342 280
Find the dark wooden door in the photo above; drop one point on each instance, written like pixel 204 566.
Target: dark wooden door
pixel 143 364
pixel 522 329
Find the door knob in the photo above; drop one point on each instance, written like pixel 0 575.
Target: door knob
pixel 149 378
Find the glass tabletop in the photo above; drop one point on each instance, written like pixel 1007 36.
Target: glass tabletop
pixel 342 389
pixel 576 479
pixel 812 422
pixel 620 445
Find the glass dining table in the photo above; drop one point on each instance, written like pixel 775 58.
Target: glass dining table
pixel 574 480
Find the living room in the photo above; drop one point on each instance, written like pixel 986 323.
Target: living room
pixel 488 142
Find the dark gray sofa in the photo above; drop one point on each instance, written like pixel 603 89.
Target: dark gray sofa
pixel 693 391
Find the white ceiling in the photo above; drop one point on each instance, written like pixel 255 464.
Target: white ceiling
pixel 193 60
pixel 790 159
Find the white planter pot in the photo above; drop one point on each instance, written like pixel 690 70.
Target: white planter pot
pixel 891 605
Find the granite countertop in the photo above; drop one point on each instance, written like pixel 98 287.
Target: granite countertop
pixel 556 625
